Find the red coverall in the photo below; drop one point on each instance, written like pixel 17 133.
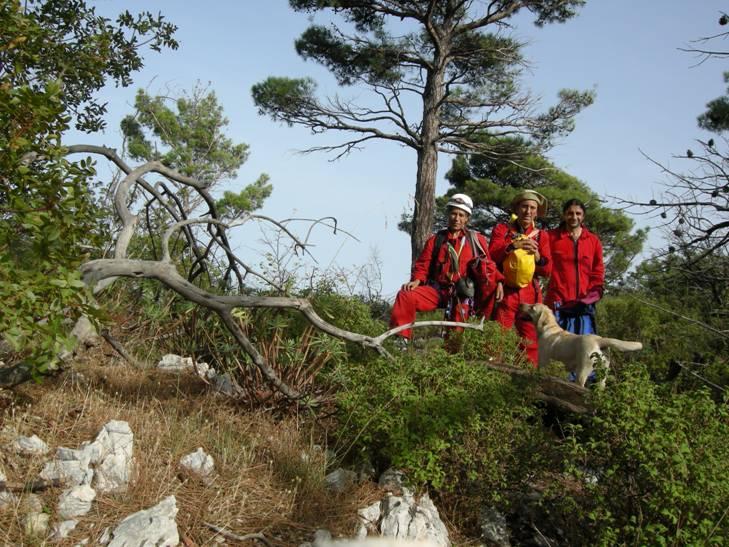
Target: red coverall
pixel 507 312
pixel 434 293
pixel 577 266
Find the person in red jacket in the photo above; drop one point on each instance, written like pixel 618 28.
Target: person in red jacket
pixel 448 256
pixel 519 245
pixel 578 271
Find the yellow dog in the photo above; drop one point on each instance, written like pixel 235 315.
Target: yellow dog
pixel 577 351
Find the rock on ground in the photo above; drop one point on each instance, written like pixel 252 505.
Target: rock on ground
pixel 76 501
pixel 154 526
pixel 31 446
pixel 198 462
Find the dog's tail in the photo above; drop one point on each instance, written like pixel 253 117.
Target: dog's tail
pixel 621 345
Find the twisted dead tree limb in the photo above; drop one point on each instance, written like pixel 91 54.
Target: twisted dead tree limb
pixel 223 305
pixel 129 220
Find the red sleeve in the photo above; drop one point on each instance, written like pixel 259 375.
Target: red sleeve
pixel 545 254
pixel 597 275
pixel 499 242
pixel 422 264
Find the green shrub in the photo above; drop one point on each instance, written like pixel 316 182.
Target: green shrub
pixel 662 466
pixel 443 420
pixel 667 340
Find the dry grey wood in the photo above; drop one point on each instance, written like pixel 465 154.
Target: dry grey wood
pixel 230 535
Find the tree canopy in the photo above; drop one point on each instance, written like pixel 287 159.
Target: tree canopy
pixel 66 41
pixel 189 136
pixel 439 72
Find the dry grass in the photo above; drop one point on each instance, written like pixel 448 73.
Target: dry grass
pixel 270 470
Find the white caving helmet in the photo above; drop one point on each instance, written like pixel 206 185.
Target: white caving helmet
pixel 460 201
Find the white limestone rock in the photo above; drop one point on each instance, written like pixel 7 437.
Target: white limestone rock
pixel 30 446
pixel 105 536
pixel 85 333
pixel 31 503
pixel 224 384
pixel 155 526
pixel 369 520
pixel 114 450
pixel 113 474
pixel 322 538
pixel 376 542
pixel 69 472
pixel 199 463
pixel 8 500
pixel 37 524
pixel 76 501
pixel 404 517
pixel 393 480
pixel 61 529
pixel 174 363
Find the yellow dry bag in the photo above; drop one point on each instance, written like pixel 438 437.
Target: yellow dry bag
pixel 519 265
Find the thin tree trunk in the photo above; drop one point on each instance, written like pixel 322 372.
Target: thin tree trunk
pixel 423 212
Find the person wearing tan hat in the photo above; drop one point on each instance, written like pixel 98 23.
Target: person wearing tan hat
pixel 440 275
pixel 521 252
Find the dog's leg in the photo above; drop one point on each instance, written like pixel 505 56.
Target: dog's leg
pixel 584 368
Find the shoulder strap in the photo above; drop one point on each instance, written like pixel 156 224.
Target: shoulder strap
pixel 440 238
pixel 478 250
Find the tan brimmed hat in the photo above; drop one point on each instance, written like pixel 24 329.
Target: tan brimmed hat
pixel 533 196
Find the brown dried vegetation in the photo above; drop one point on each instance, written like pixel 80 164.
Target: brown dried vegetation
pixel 269 470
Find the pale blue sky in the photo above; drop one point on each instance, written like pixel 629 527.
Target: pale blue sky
pixel 648 97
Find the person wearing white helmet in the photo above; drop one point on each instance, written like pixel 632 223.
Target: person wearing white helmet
pixel 453 271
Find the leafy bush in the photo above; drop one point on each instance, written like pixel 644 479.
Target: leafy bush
pixel 661 462
pixel 667 340
pixel 443 420
pixel 46 216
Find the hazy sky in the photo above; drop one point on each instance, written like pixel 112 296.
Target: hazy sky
pixel 648 97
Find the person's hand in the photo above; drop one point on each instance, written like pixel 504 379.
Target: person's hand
pixel 529 245
pixel 499 291
pixel 410 285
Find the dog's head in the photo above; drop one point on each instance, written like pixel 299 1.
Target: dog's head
pixel 539 314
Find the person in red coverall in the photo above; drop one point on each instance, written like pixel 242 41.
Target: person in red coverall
pixel 436 272
pixel 578 271
pixel 521 233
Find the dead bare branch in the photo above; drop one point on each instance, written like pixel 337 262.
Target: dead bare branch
pixel 230 535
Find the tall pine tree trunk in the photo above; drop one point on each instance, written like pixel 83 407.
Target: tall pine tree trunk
pixel 423 213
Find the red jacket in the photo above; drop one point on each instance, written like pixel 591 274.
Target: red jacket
pixel 577 267
pixel 483 275
pixel 503 235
